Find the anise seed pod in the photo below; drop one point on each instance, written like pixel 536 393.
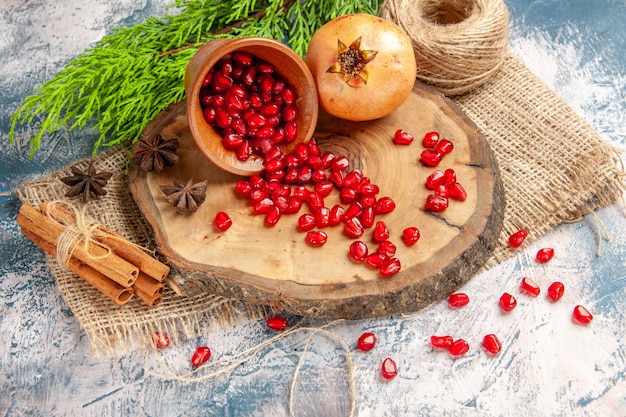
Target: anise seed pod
pixel 155 153
pixel 185 197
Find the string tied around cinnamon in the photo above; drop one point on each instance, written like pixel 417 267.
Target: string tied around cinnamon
pixel 81 232
pixel 458 44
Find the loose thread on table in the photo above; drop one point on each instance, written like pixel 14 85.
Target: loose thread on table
pixel 232 362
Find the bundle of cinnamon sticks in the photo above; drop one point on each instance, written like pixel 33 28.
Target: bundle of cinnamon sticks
pixel 115 266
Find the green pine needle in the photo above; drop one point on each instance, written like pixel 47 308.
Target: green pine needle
pixel 133 74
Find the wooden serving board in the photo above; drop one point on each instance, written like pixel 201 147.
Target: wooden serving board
pixel 275 266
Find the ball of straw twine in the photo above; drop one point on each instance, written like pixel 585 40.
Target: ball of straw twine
pixel 458 44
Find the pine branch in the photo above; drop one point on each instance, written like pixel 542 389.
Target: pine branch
pixel 134 73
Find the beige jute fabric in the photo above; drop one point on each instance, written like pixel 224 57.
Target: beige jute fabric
pixel 555 168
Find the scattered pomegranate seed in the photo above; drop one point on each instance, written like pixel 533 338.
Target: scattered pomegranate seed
pixel 358 251
pixel 444 146
pixel 507 302
pixel 581 315
pixel 381 232
pixel 316 238
pixel 390 267
pixel 444 342
pixel 435 203
pixel 384 205
pixel 387 248
pixel 458 299
pixel 457 192
pixel 375 260
pixel 492 344
pixel 529 286
pixel 402 137
pixel 306 222
pixel 200 356
pixel 222 221
pixel 435 179
pixel 556 290
pixel 545 255
pixel 459 347
pixel 161 340
pixel 517 238
pixel 410 235
pixel 273 216
pixel 389 369
pixel 366 342
pixel 430 157
pixel 353 228
pixel 430 139
pixel 277 323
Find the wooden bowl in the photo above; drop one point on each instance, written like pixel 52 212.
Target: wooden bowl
pixel 289 65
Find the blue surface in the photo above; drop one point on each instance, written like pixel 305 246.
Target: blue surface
pixel 548 367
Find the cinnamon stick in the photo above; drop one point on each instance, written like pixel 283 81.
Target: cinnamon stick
pixel 118 294
pixel 109 264
pixel 151 298
pixel 148 285
pixel 121 246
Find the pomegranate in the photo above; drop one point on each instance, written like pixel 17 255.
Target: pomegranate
pixel 364 66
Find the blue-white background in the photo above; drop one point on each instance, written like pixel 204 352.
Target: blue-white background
pixel 549 366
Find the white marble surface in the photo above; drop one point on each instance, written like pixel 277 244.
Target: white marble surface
pixel 549 366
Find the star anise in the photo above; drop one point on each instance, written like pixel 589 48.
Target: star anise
pixel 185 197
pixel 86 183
pixel 155 153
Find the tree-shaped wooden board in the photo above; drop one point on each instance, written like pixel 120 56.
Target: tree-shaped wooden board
pixel 275 266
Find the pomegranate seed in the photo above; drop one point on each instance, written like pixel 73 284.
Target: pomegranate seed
pixel 273 165
pixel 324 188
pixel 492 344
pixel 358 251
pixel 243 188
pixel 353 179
pixel 381 232
pixel 222 221
pixel 291 131
pixel 402 137
pixel 315 201
pixel 517 238
pixel 353 210
pixel 318 175
pixel 556 290
pixel 369 189
pixel 375 260
pixel 389 369
pixel 302 151
pixel 293 205
pixel 337 213
pixel 304 175
pixel 306 222
pixel 340 163
pixel 244 151
pixel 289 95
pixel 327 159
pixel 301 193
pixel 161 340
pixel 313 148
pixel 366 342
pixel 242 58
pixel 368 201
pixel 410 235
pixel 387 248
pixel 507 302
pixel 545 255
pixel 322 217
pixel 458 299
pixel 435 203
pixel 581 315
pixel 430 157
pixel 457 192
pixel 209 115
pixel 442 191
pixel 529 286
pixel 264 206
pixel 384 205
pixel 257 195
pixel 232 141
pixel 444 342
pixel 200 356
pixel 273 216
pixel 459 347
pixel 289 114
pixel 277 323
pixel 435 179
pixel 316 238
pixel 347 195
pixel 336 177
pixel 389 268
pixel 449 177
pixel 207 79
pixel 430 139
pixel 368 215
pixel 444 146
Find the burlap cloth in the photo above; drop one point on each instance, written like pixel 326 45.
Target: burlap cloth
pixel 555 168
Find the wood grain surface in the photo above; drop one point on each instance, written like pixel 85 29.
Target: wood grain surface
pixel 275 266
